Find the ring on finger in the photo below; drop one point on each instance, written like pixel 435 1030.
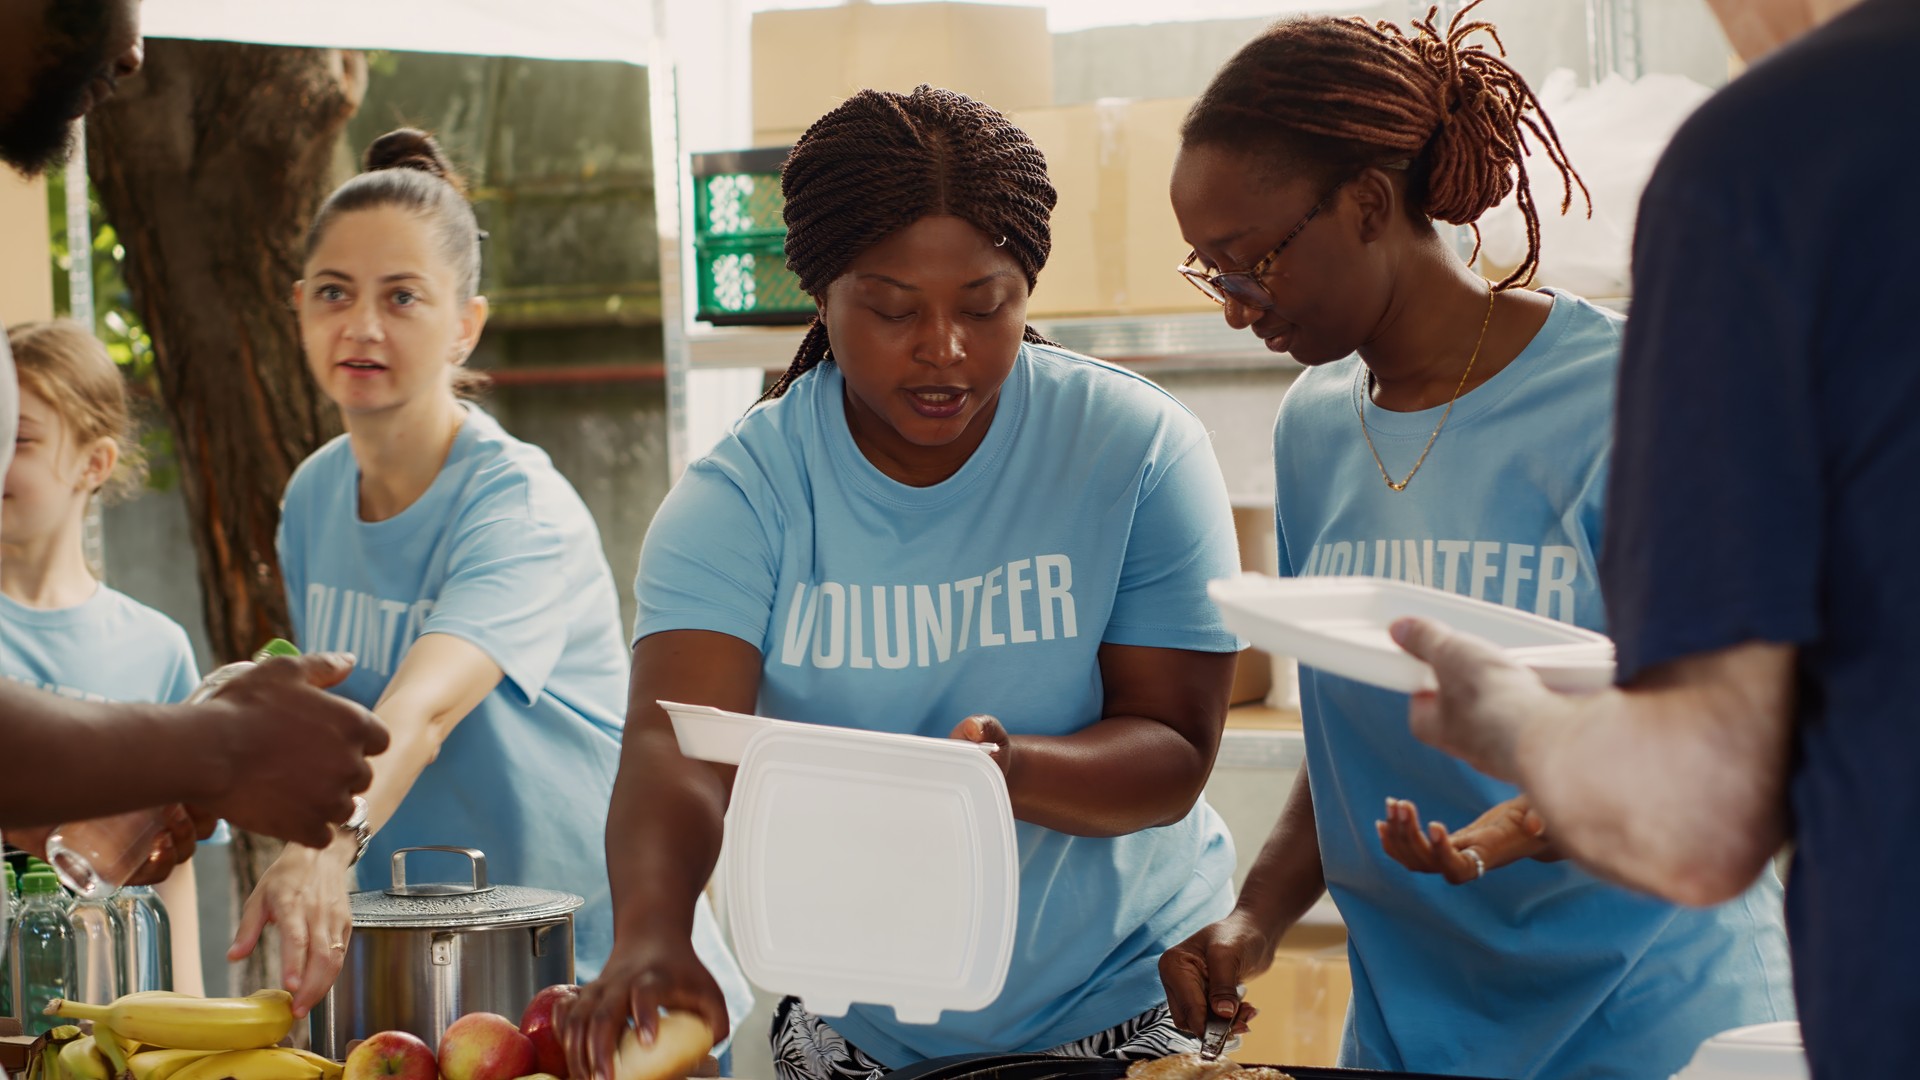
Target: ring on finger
pixel 1479 864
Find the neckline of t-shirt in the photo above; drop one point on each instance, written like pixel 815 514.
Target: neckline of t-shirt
pixel 55 618
pixel 831 411
pixel 405 524
pixel 1390 424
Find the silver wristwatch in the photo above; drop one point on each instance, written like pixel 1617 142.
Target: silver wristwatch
pixel 356 827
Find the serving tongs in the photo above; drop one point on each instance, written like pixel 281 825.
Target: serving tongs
pixel 1214 1042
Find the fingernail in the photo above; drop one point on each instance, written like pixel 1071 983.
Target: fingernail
pixel 1389 806
pixel 1401 630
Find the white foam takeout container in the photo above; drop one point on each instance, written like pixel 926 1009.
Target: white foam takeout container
pixel 1339 625
pixel 1761 1052
pixel 863 867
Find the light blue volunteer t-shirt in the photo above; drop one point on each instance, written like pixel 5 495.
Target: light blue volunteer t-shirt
pixel 1093 512
pixel 499 552
pixel 1538 970
pixel 109 647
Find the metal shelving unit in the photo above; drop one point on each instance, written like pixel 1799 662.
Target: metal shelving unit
pixel 1188 341
pixel 1183 342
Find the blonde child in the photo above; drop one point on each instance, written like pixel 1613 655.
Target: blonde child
pixel 61 629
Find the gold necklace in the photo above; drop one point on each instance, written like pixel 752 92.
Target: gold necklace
pixel 1368 392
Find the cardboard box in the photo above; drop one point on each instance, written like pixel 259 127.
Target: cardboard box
pixel 15 1048
pixel 806 62
pixel 1302 1000
pixel 1115 240
pixel 1253 672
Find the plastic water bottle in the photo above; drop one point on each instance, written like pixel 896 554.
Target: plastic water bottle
pixel 7 904
pixel 99 950
pixel 147 962
pixel 42 948
pixel 95 857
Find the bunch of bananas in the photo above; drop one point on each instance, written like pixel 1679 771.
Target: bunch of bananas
pixel 158 1035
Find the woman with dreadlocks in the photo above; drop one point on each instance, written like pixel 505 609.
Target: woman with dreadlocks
pixel 1453 432
pixel 940 524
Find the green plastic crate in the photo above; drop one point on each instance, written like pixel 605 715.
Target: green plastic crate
pixel 745 281
pixel 739 236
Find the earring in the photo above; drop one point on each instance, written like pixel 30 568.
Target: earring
pixel 1002 242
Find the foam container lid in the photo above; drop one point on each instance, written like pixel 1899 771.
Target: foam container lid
pixel 863 867
pixel 1760 1052
pixel 1340 625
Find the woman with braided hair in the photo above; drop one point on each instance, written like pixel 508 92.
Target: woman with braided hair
pixel 939 524
pixel 1452 432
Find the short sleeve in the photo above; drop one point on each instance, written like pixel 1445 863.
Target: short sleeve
pixel 183 674
pixel 1715 507
pixel 708 562
pixel 509 593
pixel 1182 538
pixel 290 577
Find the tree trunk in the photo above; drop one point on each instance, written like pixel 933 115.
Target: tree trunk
pixel 210 165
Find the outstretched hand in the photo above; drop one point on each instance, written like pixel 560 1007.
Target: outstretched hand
pixel 1504 835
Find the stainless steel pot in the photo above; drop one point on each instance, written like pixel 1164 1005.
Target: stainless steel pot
pixel 424 955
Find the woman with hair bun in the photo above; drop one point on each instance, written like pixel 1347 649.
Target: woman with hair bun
pixel 464 573
pixel 939 524
pixel 1453 432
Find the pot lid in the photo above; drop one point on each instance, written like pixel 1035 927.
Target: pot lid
pixel 456 904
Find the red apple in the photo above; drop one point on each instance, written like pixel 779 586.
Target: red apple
pixel 391 1055
pixel 537 1024
pixel 485 1046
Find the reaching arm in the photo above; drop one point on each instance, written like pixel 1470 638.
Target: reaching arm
pixel 1202 974
pixel 272 752
pixel 304 894
pixel 1142 765
pixel 1675 785
pixel 663 838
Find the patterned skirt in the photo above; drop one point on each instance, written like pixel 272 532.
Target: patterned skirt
pixel 805 1047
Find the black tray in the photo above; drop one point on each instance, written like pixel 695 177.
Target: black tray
pixel 1042 1067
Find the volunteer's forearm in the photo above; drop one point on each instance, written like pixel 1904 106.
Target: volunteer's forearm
pixel 1676 786
pixel 1118 776
pixel 663 835
pixel 89 759
pixel 1287 877
pixel 181 895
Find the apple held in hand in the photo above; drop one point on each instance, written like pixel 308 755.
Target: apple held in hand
pixel 537 1024
pixel 391 1055
pixel 485 1046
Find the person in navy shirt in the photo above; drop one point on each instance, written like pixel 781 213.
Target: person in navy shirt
pixel 937 515
pixel 1452 432
pixel 1759 578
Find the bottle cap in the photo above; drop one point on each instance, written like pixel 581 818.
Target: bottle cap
pixel 276 647
pixel 38 883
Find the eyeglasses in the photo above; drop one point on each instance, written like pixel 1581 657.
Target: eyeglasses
pixel 1244 286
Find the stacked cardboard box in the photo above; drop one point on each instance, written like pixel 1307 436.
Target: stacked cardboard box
pixel 806 62
pixel 1115 240
pixel 1302 1000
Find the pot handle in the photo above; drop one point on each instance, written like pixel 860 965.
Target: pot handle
pixel 477 857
